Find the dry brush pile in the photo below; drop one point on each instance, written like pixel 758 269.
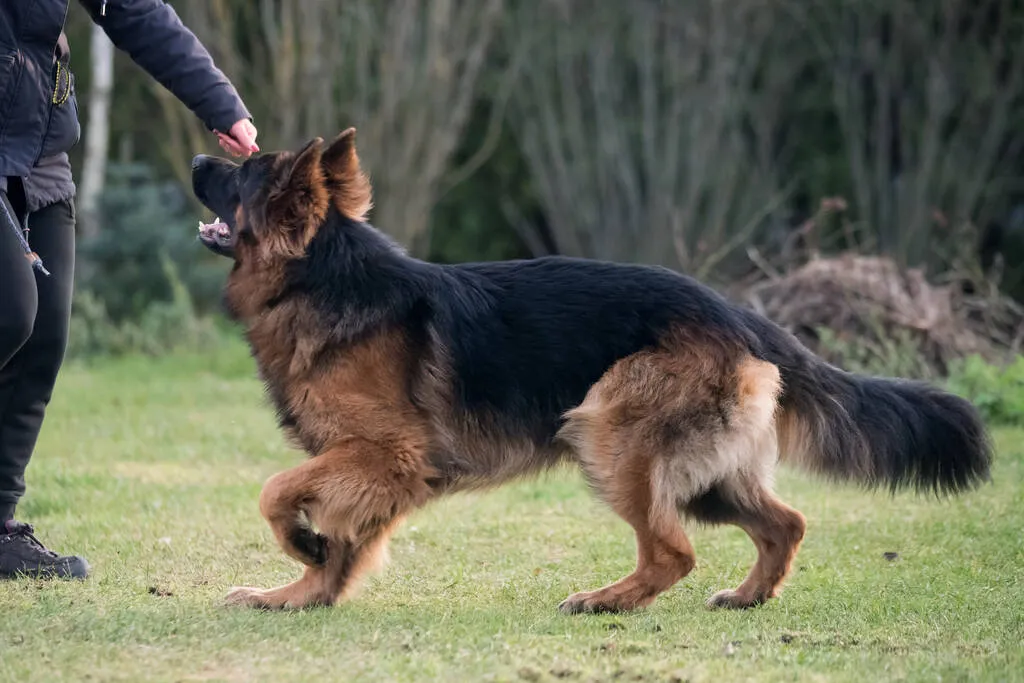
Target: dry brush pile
pixel 858 309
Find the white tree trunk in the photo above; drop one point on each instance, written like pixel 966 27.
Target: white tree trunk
pixel 97 132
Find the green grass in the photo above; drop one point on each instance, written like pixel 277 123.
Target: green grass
pixel 151 469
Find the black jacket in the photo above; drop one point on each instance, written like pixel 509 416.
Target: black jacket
pixel 38 107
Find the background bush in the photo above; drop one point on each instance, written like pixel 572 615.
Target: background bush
pixel 997 390
pixel 147 248
pixel 161 326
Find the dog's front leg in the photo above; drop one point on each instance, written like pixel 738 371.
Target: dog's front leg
pixel 335 514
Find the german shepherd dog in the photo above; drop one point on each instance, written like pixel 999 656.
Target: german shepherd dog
pixel 405 380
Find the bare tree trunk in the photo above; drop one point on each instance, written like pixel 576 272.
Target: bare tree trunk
pixel 97 133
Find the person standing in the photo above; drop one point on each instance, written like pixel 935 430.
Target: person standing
pixel 38 125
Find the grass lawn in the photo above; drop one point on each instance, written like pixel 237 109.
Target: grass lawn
pixel 151 469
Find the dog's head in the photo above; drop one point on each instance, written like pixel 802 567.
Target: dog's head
pixel 271 206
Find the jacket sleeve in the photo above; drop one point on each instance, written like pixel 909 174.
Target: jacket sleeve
pixel 151 33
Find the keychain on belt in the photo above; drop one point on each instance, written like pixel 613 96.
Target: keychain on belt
pixel 22 234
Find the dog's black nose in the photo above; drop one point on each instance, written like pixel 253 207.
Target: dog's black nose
pixel 198 160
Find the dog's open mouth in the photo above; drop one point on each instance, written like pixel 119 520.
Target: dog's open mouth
pixel 217 231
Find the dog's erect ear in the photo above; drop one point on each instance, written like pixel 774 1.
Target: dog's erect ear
pixel 298 205
pixel 300 188
pixel 306 173
pixel 347 185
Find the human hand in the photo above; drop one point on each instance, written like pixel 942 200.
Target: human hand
pixel 240 141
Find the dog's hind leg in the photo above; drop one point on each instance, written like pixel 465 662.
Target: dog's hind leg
pixel 356 496
pixel 664 553
pixel 743 495
pixel 656 430
pixel 775 528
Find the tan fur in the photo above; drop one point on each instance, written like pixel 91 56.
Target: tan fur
pixel 795 439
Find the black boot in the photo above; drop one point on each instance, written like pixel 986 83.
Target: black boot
pixel 21 554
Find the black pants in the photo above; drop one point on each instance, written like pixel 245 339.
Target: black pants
pixel 34 314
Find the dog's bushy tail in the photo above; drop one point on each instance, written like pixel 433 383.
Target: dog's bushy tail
pixel 877 432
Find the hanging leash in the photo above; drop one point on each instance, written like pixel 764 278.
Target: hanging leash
pixel 22 234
